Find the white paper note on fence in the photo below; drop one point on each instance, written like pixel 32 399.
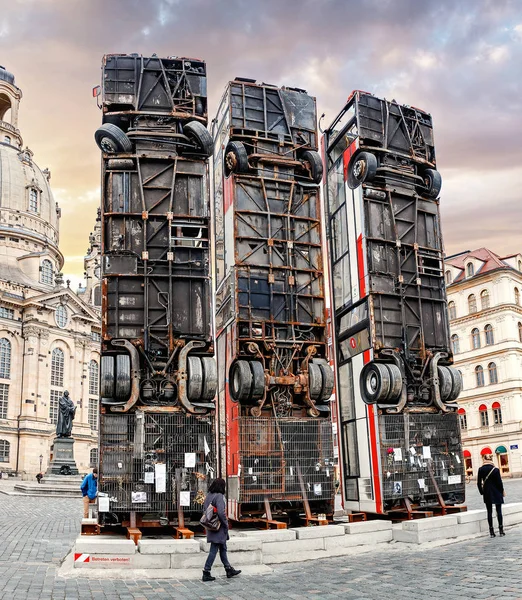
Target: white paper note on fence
pixel 207 449
pixel 318 489
pixel 184 498
pixel 161 477
pixel 422 483
pixel 397 454
pixel 426 452
pixel 190 460
pixel 149 477
pixel 103 504
pixel 454 479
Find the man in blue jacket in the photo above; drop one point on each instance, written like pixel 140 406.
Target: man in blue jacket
pixel 89 489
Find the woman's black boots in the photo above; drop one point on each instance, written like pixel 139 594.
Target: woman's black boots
pixel 207 576
pixel 501 531
pixel 231 572
pixel 492 532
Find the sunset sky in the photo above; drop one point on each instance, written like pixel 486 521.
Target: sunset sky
pixel 459 60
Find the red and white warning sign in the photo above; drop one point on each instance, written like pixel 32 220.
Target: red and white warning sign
pixel 353 343
pixel 82 558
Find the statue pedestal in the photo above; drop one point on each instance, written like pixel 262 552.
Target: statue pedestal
pixel 63 462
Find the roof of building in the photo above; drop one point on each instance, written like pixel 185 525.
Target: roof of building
pixel 490 262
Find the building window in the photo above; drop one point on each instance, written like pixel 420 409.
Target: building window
pixel 95 336
pixel 60 316
pixel 520 332
pixel 97 296
pixel 463 419
pixel 520 265
pixel 455 344
pixel 452 309
pixel 7 139
pixel 4 451
pixel 472 304
pixel 475 338
pixel 54 405
pixel 46 272
pixel 497 414
pixel 493 376
pixel 479 375
pixel 33 200
pixel 5 358
pixel 470 269
pixel 484 417
pixel 484 299
pixel 517 296
pixel 57 367
pixel 94 457
pixel 93 413
pixel 490 340
pixel 448 277
pixel 6 313
pixel 93 378
pixel 4 400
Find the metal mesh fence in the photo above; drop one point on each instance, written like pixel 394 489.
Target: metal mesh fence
pixel 417 449
pixel 277 453
pixel 151 461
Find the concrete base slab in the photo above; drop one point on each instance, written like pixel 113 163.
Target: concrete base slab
pixel 237 544
pixel 195 561
pixel 294 546
pixel 430 523
pixel 104 544
pixel 168 545
pixel 367 527
pixel 270 535
pixel 305 533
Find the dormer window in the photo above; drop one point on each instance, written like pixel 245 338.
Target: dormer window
pixel 470 269
pixel 7 139
pixel 46 272
pixel 33 200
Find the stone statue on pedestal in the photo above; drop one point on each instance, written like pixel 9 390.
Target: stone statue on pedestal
pixel 66 413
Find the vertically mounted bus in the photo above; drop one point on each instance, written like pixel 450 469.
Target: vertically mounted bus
pixel 396 387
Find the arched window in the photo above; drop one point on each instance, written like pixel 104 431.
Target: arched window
pixel 5 358
pixel 475 338
pixel 520 332
pixel 4 451
pixel 93 413
pixel 490 339
pixel 470 269
pixel 497 413
pixel 448 277
pixel 493 376
pixel 7 139
pixel 93 377
pixel 484 299
pixel 479 375
pixel 97 296
pixel 33 200
pixel 472 304
pixel 93 458
pixel 57 376
pixel 60 316
pixel 463 419
pixel 455 344
pixel 484 417
pixel 46 272
pixel 452 310
pixel 517 296
pixel 4 400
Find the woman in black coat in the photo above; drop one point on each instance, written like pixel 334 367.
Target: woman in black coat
pixel 490 486
pixel 218 539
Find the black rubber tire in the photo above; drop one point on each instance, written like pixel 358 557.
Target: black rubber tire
pixel 315 381
pixel 328 382
pixel 258 379
pixel 313 158
pixel 362 167
pixel 456 388
pixel 107 377
pixel 432 183
pixel 375 382
pixel 112 139
pixel 445 383
pixel 236 158
pixel 198 133
pixel 210 378
pixel 395 392
pixel 240 380
pixel 194 378
pixel 122 386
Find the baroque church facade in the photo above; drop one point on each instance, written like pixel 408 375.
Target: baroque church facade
pixel 49 335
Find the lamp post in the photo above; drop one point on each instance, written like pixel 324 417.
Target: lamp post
pixel 41 458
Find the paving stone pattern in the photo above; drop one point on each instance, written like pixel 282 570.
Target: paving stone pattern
pixel 37 533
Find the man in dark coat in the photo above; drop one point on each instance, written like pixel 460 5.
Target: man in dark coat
pixel 218 539
pixel 489 483
pixel 66 413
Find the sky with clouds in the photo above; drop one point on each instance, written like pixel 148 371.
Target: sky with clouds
pixel 461 60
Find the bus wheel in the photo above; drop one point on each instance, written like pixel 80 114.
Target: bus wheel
pixel 236 158
pixel 432 183
pixel 445 383
pixel 210 382
pixel 258 379
pixel 328 382
pixel 375 382
pixel 194 378
pixel 316 164
pixel 240 380
pixel 395 383
pixel 107 377
pixel 123 378
pixel 315 381
pixel 456 388
pixel 362 167
pixel 198 133
pixel 110 138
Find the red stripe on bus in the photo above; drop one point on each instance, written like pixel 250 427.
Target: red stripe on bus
pixel 360 267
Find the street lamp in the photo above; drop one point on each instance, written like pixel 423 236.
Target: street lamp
pixel 41 458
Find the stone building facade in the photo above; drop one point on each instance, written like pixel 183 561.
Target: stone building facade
pixel 485 309
pixel 49 336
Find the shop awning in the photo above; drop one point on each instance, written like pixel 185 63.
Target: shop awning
pixel 485 450
pixel 501 450
pixel 467 454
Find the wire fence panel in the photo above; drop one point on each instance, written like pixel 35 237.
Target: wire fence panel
pixel 150 462
pixel 418 449
pixel 276 453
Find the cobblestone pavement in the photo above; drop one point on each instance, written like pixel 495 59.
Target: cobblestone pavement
pixel 37 533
